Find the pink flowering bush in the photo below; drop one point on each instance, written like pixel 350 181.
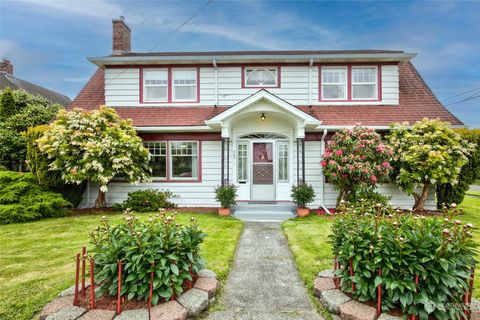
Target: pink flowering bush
pixel 356 160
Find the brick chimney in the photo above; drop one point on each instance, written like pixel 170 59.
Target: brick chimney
pixel 6 66
pixel 121 37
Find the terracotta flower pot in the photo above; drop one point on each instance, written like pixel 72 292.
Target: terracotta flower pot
pixel 224 211
pixel 303 212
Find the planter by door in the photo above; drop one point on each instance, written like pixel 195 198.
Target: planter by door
pixel 303 212
pixel 224 211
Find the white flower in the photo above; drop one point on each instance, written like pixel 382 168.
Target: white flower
pixel 104 188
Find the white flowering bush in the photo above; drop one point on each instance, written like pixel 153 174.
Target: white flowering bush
pixel 426 154
pixel 95 146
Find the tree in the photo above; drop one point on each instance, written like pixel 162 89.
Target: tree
pixel 95 146
pixel 18 111
pixel 448 193
pixel 356 160
pixel 426 154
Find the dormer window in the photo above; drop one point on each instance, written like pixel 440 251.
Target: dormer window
pixel 156 85
pixel 169 85
pixel 364 83
pixel 261 77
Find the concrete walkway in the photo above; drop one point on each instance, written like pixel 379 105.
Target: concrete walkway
pixel 263 283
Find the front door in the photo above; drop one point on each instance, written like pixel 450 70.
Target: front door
pixel 263 185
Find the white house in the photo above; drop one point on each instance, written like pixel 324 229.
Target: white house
pixel 258 119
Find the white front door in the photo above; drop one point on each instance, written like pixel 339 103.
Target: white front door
pixel 263 171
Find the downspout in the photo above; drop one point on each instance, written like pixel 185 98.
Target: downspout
pixel 322 148
pixel 310 82
pixel 216 82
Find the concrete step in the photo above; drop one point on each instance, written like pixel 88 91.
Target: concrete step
pixel 261 216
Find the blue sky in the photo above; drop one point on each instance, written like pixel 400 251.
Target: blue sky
pixel 48 41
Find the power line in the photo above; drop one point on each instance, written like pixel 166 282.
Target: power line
pixel 164 38
pixel 464 100
pixel 461 94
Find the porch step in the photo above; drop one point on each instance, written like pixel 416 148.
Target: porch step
pixel 279 211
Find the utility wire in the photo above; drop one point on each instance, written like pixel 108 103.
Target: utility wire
pixel 464 100
pixel 164 39
pixel 461 94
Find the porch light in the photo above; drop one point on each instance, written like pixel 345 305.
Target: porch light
pixel 262 117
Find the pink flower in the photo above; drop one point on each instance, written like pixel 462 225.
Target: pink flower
pixel 362 157
pixel 386 164
pixel 323 163
pixel 327 150
pixel 339 152
pixel 361 146
pixel 332 162
pixel 380 148
pixel 334 174
pixel 373 179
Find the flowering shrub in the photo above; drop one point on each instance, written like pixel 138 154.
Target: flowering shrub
pixel 356 159
pixel 160 245
pixel 440 251
pixel 95 146
pixel 147 201
pixel 427 154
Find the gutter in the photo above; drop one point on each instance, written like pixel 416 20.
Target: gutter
pixel 322 148
pixel 262 58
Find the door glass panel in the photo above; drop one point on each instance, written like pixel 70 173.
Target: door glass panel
pixel 262 152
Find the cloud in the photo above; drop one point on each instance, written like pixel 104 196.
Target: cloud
pixel 99 9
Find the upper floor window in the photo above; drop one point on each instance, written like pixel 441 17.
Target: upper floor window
pixel 364 83
pixel 184 84
pixel 349 83
pixel 334 83
pixel 170 85
pixel 261 77
pixel 156 85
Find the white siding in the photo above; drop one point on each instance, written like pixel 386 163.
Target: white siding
pixel 122 87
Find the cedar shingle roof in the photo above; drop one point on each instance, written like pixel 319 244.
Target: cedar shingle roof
pixel 416 102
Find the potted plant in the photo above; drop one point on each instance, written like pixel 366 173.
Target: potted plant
pixel 226 195
pixel 303 194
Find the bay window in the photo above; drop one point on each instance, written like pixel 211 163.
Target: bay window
pixel 174 160
pixel 334 83
pixel 364 83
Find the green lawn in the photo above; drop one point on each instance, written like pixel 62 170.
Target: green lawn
pixel 307 238
pixel 37 259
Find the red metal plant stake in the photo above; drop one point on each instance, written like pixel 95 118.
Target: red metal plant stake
pixel 77 271
pixel 416 290
pixel 119 286
pixel 379 295
pixel 472 277
pixel 151 289
pixel 352 273
pixel 84 253
pixel 335 263
pixel 92 285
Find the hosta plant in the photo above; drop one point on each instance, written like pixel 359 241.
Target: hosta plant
pixel 439 250
pixel 170 250
pixel 356 160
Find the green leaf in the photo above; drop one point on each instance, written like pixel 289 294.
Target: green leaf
pixel 378 281
pixel 174 269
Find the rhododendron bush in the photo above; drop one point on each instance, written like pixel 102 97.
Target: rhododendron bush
pixel 95 146
pixel 356 160
pixel 428 153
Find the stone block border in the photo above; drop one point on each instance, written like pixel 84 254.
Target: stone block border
pixel 190 304
pixel 342 306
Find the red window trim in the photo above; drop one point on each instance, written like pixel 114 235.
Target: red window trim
pixel 279 76
pixel 170 84
pixel 173 180
pixel 349 82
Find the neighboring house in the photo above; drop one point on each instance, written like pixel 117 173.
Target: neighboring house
pixel 258 119
pixel 7 79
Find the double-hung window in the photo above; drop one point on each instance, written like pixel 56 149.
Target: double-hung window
pixel 166 85
pixel 364 83
pixel 184 160
pixel 334 83
pixel 255 77
pixel 156 85
pixel 174 160
pixel 184 84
